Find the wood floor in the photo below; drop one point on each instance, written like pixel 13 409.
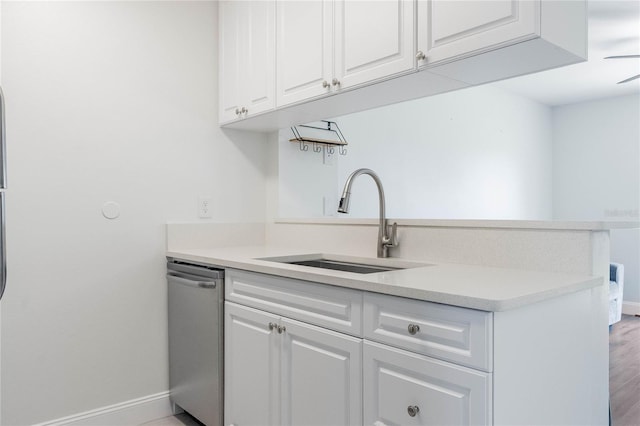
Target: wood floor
pixel 624 371
pixel 624 377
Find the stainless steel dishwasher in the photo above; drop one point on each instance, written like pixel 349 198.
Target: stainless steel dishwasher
pixel 196 338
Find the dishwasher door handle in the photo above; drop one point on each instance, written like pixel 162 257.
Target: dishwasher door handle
pixel 191 283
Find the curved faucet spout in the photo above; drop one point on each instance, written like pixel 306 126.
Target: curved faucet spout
pixel 385 241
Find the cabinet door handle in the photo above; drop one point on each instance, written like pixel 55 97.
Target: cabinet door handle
pixel 413 410
pixel 281 329
pixel 244 110
pixel 237 111
pixel 413 329
pixel 335 82
pixel 325 84
pixel 421 56
pixel 273 326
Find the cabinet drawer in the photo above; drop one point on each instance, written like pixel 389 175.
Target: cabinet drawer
pixel 335 308
pixel 460 335
pixel 402 388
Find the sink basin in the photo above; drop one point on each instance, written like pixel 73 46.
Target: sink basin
pixel 346 263
pixel 357 268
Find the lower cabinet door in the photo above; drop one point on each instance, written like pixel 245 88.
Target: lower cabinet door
pixel 321 376
pixel 252 358
pixel 403 388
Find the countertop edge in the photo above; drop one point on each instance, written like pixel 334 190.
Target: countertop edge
pixel 361 283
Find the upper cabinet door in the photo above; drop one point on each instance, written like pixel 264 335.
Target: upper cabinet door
pixel 247 58
pixel 453 29
pixel 374 39
pixel 231 62
pixel 304 49
pixel 260 53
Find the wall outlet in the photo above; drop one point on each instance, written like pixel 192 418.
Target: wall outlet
pixel 205 207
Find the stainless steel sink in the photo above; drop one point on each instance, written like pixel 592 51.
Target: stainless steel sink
pixel 352 264
pixel 357 268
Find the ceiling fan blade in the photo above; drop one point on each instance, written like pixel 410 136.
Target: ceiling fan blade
pixel 622 57
pixel 629 79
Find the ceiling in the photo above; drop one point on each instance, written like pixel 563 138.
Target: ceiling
pixel 614 29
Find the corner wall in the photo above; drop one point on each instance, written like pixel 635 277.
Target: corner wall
pixel 106 101
pixel 596 168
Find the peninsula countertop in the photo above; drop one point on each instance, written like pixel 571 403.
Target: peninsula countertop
pixel 471 286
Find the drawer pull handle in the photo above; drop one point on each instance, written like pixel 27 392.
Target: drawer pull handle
pixel 413 329
pixel 413 410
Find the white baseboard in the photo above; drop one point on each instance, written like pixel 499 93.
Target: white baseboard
pixel 128 413
pixel 631 308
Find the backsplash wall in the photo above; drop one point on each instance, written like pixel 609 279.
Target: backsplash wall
pixel 476 153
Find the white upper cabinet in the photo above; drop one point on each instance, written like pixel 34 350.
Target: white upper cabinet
pixel 247 58
pixel 230 63
pixel 450 29
pixel 371 53
pixel 304 49
pixel 488 40
pixel 374 40
pixel 324 46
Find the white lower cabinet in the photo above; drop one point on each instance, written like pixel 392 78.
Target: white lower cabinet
pixel 403 388
pixel 279 371
pixel 252 365
pixel 321 373
pixel 305 353
pixel 285 366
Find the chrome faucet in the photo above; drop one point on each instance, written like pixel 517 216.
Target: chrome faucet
pixel 384 239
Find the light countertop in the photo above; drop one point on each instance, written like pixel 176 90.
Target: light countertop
pixel 470 286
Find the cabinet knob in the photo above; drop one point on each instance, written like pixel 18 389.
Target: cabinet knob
pixel 421 56
pixel 325 84
pixel 413 410
pixel 335 82
pixel 281 329
pixel 273 326
pixel 244 110
pixel 237 111
pixel 413 329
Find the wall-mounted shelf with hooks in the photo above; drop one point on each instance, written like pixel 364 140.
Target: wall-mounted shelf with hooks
pixel 326 136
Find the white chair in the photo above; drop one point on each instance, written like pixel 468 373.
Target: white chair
pixel 616 287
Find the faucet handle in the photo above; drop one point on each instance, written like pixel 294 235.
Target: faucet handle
pixel 392 240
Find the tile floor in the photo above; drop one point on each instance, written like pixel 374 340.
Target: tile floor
pixel 178 420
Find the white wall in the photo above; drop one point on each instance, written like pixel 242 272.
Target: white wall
pixel 478 153
pixel 106 101
pixel 596 167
